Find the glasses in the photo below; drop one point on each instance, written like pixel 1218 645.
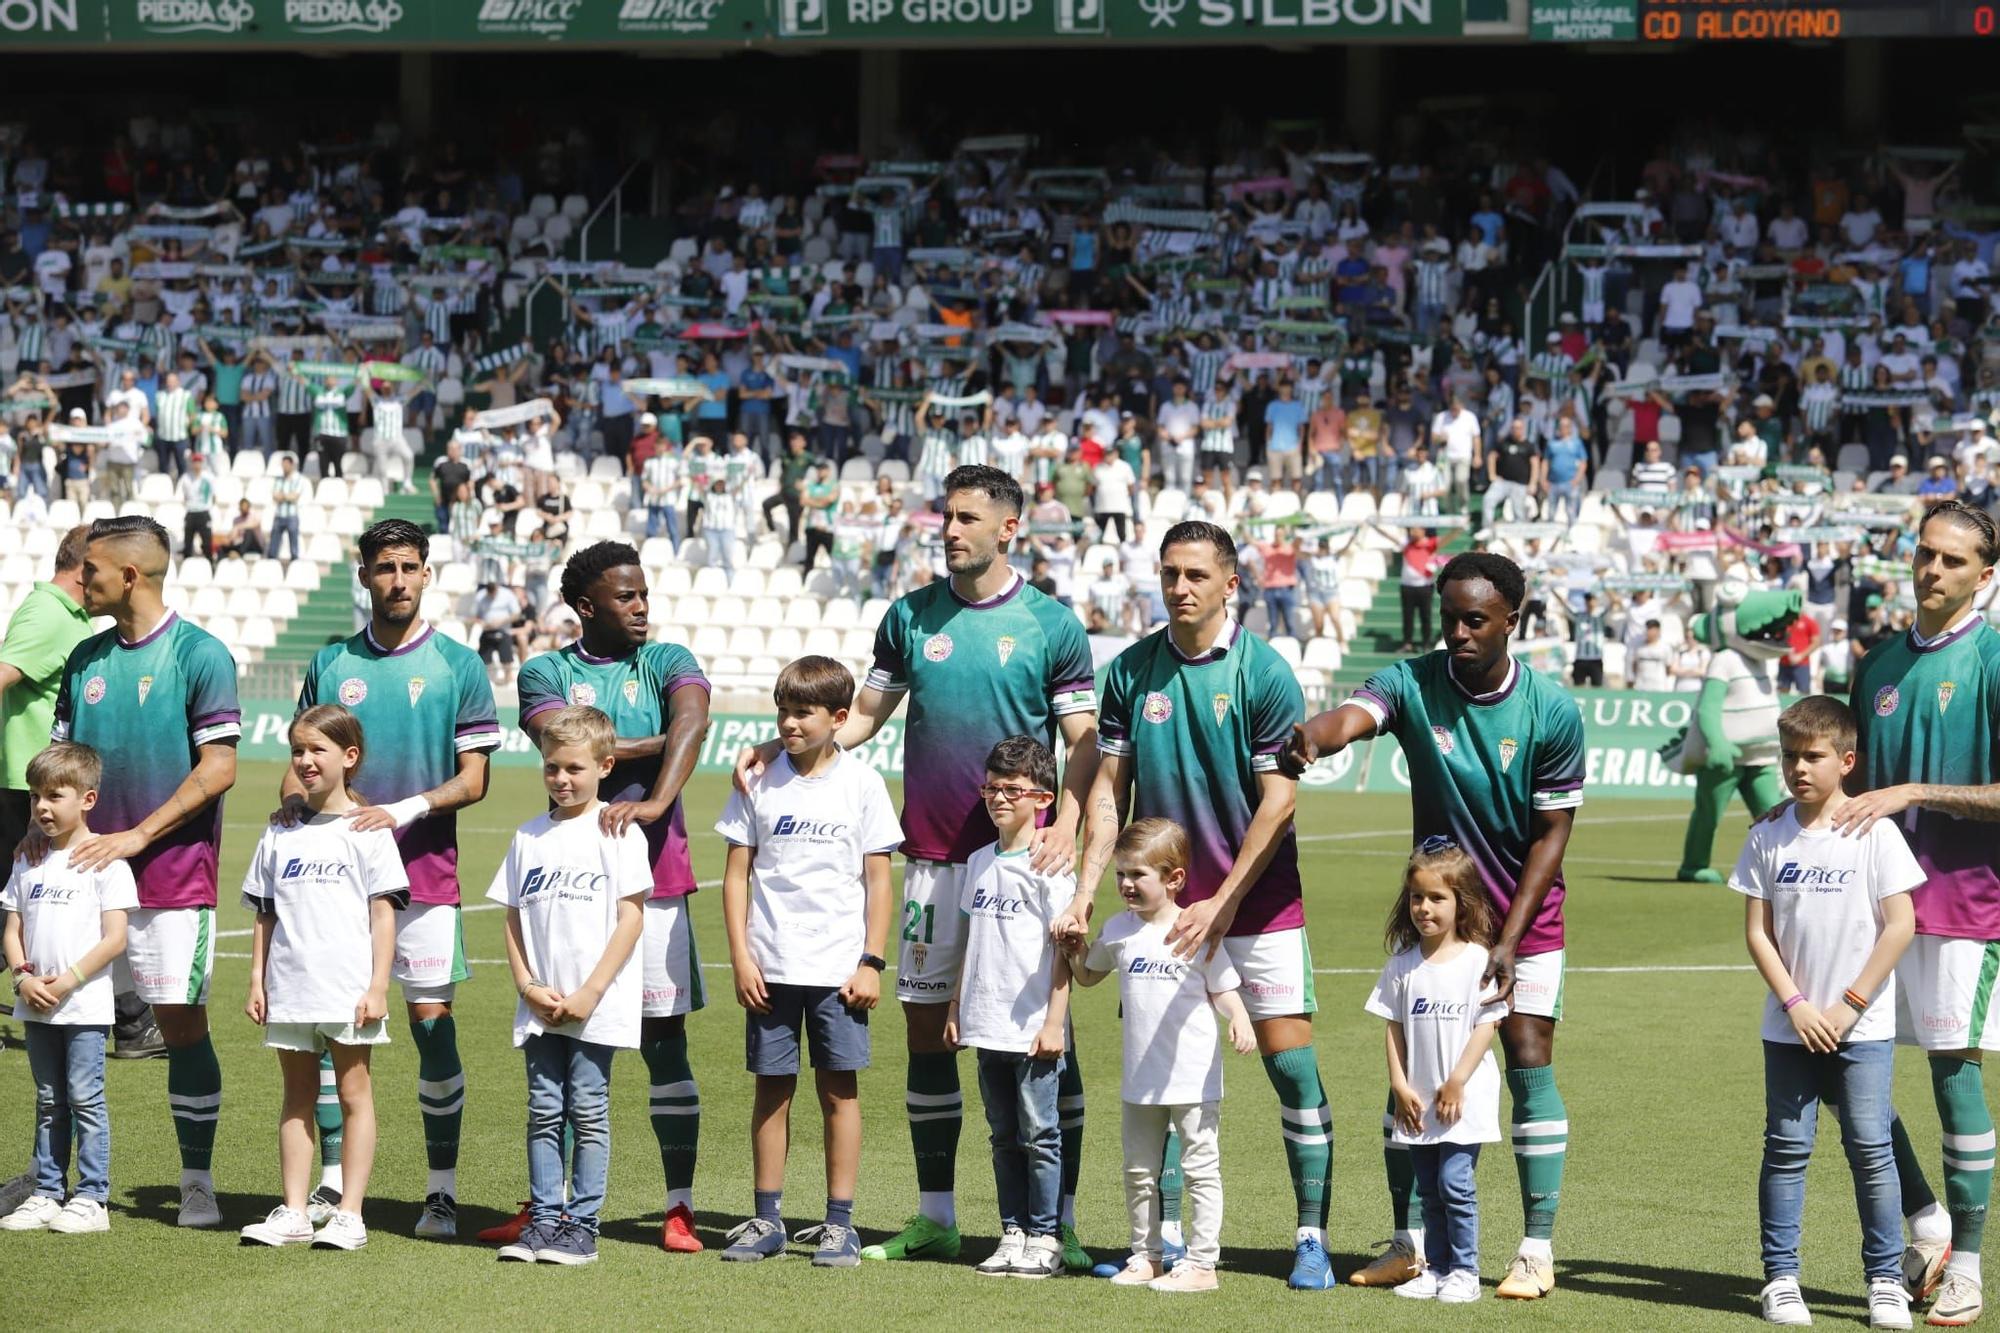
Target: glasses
pixel 1437 842
pixel 1010 794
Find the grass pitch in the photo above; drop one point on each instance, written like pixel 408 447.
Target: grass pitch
pixel 1658 1060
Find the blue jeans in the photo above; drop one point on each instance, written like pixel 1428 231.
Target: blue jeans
pixel 660 519
pixel 1020 1097
pixel 68 1067
pixel 1326 475
pixel 1280 604
pixel 288 529
pixel 1563 497
pixel 1447 1186
pixel 35 477
pixel 1855 1081
pixel 568 1080
pixel 1707 460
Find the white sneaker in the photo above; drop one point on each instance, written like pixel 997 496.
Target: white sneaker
pixel 81 1216
pixel 322 1204
pixel 1888 1303
pixel 440 1219
pixel 1001 1262
pixel 1423 1287
pixel 1784 1303
pixel 343 1231
pixel 1041 1257
pixel 198 1207
pixel 1923 1266
pixel 1460 1287
pixel 1958 1301
pixel 34 1215
pixel 284 1226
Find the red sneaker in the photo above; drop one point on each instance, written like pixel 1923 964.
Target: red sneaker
pixel 677 1233
pixel 509 1231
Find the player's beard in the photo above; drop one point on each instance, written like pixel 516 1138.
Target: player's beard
pixel 390 614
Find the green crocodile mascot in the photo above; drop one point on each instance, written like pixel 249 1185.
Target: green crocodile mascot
pixel 1732 745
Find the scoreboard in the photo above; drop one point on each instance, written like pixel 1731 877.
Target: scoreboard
pixel 1813 20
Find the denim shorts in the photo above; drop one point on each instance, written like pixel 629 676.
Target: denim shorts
pixel 838 1035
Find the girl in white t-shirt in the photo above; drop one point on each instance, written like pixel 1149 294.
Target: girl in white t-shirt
pixel 325 897
pixel 1173 1069
pixel 1444 1087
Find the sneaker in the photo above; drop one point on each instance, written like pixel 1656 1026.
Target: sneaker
pixel 15 1192
pixel 920 1238
pixel 756 1239
pixel 1923 1266
pixel 1784 1303
pixel 140 1041
pixel 1958 1301
pixel 343 1231
pixel 1459 1287
pixel 1074 1258
pixel 1529 1278
pixel 570 1244
pixel 1138 1271
pixel 1312 1268
pixel 837 1246
pixel 1041 1257
pixel 677 1232
pixel 198 1207
pixel 524 1248
pixel 1013 1241
pixel 1888 1303
pixel 440 1218
pixel 506 1233
pixel 34 1215
pixel 322 1204
pixel 1422 1287
pixel 1398 1263
pixel 1187 1276
pixel 82 1216
pixel 284 1226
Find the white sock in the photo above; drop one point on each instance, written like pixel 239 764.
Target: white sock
pixel 1414 1238
pixel 1930 1223
pixel 1966 1264
pixel 201 1178
pixel 444 1181
pixel 1170 1233
pixel 1311 1233
pixel 940 1206
pixel 1069 1210
pixel 1536 1249
pixel 680 1199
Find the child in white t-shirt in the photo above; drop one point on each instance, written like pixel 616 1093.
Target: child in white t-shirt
pixel 1011 1003
pixel 1443 1083
pixel 1827 916
pixel 64 926
pixel 806 900
pixel 326 898
pixel 575 898
pixel 1173 1068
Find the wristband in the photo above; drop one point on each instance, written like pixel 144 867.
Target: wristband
pixel 1858 1003
pixel 530 984
pixel 1794 1002
pixel 408 812
pixel 77 973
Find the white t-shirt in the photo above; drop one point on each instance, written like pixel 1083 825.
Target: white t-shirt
pixel 1180 421
pixel 319 878
pixel 808 902
pixel 1172 1057
pixel 62 919
pixel 1003 997
pixel 1825 892
pixel 1439 1006
pixel 1460 432
pixel 1678 302
pixel 566 878
pixel 1113 481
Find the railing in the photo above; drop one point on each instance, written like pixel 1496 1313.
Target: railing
pixel 615 201
pixel 1546 298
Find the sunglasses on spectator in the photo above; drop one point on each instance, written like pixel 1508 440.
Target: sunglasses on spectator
pixel 1010 794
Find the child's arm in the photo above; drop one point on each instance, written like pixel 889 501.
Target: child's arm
pixel 864 989
pixel 580 1003
pixel 1048 1044
pixel 750 992
pixel 1451 1097
pixel 374 1005
pixel 541 998
pixel 1813 1027
pixel 1242 1034
pixel 109 945
pixel 1899 926
pixel 1409 1106
pixel 260 950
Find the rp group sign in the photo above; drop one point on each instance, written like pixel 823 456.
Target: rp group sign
pixel 1119 20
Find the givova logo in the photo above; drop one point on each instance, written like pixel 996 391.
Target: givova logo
pixel 1819 879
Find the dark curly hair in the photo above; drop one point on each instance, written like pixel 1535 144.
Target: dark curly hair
pixel 590 564
pixel 393 532
pixel 1498 570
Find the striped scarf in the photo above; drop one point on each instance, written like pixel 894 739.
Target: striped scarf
pixel 483 366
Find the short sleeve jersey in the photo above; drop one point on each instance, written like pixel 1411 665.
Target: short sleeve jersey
pixel 1200 734
pixel 44 628
pixel 1931 713
pixel 147 708
pixel 636 692
pixel 421 706
pixel 1481 765
pixel 976 673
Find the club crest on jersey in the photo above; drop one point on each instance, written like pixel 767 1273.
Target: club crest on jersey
pixel 1945 691
pixel 918 953
pixel 353 690
pixel 145 688
pixel 1004 645
pixel 416 690
pixel 1444 741
pixel 1158 708
pixel 631 691
pixel 583 694
pixel 1886 700
pixel 93 690
pixel 1509 747
pixel 938 647
pixel 1221 708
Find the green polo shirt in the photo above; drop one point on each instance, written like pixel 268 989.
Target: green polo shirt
pixel 45 627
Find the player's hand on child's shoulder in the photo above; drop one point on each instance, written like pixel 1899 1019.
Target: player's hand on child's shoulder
pixel 750 766
pixel 291 811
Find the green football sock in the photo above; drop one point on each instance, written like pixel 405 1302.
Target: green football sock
pixel 1402 1172
pixel 1968 1149
pixel 440 1088
pixel 676 1105
pixel 1307 1125
pixel 194 1094
pixel 326 1113
pixel 1541 1142
pixel 936 1109
pixel 1917 1194
pixel 1069 1113
pixel 1170 1179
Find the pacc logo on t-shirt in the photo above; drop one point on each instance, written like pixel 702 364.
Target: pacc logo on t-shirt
pixel 1813 879
pixel 987 903
pixel 1438 1010
pixel 50 894
pixel 818 830
pixel 1163 969
pixel 300 868
pixel 564 881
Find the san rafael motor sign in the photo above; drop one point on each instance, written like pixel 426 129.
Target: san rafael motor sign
pixel 1583 21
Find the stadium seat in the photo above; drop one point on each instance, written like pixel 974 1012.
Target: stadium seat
pixel 135 509
pixel 783 583
pixel 257 632
pixel 840 613
pixel 155 488
pixel 347 521
pixel 434 605
pixel 766 612
pixel 746 641
pixel 784 643
pixel 1370 565
pixel 302 576
pixel 709 641
pixel 685 250
pixel 206 602
pixel 266 574
pixel 1282 504
pixel 654 552
pixel 196 572
pixel 542 207
pixel 282 604
pixel 1323 506
pixel 606 468
pixel 663 631
pixel 457 578
pixel 1852 458
pixel 323 548
pixel 1392 505
pixel 603 525
pixel 575 207
pixel 63 515
pixel 17 569
pixel 803 612
pixel 729 611
pixel 589 495
pixel 92 512
pixel 365 493
pixel 1286 647
pixel 691 611
pixel 872 612
pixel 355 465
pixel 175 598
pixel 231 574
pixel 1358 505
pixel 895 469
pixel 673 580
pixel 1322 653
pixel 710 581
pixel 247 464
pixel 823 643
pixel 557 230
pixel 857 469
pixel 857 643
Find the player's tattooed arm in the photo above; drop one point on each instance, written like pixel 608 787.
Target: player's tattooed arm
pixel 1860 812
pixel 213 774
pixel 1980 803
pixel 1104 815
